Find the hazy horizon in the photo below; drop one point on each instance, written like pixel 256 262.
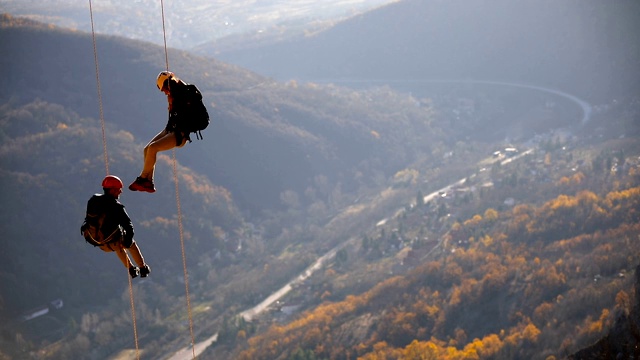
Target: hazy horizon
pixel 186 27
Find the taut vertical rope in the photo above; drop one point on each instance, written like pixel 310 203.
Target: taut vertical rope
pixel 184 257
pixel 95 58
pixel 164 35
pixel 180 228
pixel 133 316
pixel 106 166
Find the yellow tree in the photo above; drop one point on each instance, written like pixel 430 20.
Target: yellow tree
pixel 420 350
pixel 490 215
pixel 531 333
pixel 491 345
pixel 382 351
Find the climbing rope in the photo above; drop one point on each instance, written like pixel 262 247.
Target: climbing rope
pixel 180 228
pixel 133 316
pixel 164 36
pixel 95 58
pixel 106 165
pixel 184 258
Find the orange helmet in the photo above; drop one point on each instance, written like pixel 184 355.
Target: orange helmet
pixel 112 182
pixel 162 77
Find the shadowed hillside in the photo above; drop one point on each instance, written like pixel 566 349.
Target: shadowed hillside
pixel 266 139
pixel 305 131
pixel 50 167
pixel 623 340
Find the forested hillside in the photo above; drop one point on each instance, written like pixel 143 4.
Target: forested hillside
pixel 327 132
pixel 270 145
pixel 530 255
pixel 470 276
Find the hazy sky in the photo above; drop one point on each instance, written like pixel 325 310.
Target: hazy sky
pixel 188 22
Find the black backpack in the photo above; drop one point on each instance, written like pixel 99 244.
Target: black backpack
pixel 196 118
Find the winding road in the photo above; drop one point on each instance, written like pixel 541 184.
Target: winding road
pixel 584 105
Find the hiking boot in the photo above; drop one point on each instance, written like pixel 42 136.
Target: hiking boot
pixel 142 184
pixel 144 271
pixel 134 271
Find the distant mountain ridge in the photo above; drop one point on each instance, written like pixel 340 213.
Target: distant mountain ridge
pixel 584 47
pixel 192 23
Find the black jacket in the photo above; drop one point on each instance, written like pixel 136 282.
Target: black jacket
pixel 115 215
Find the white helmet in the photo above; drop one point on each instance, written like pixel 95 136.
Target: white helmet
pixel 162 77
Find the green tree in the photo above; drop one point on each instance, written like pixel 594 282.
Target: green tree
pixel 302 354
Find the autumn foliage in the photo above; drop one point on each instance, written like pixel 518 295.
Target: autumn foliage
pixel 539 281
